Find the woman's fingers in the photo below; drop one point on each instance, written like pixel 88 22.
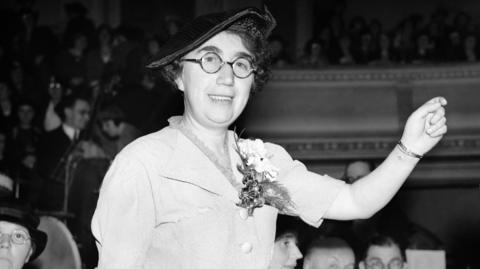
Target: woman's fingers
pixel 439 132
pixel 439 113
pixel 439 99
pixel 431 106
pixel 439 125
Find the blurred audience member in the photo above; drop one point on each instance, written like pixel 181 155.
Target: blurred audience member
pixel 384 54
pixel 21 84
pixel 470 48
pixel 6 186
pixel 285 249
pixel 454 47
pixel 99 62
pixel 78 22
pixel 23 144
pixel 70 64
pixel 56 147
pixel 118 130
pixel 365 53
pixel 462 23
pixel 424 49
pixel 4 162
pixel 315 54
pixel 124 42
pixel 51 120
pixel 278 53
pixel 356 28
pixel 6 107
pixel 172 25
pixel 329 253
pixel 355 170
pixel 383 252
pixel 343 54
pixel 24 135
pixel 33 44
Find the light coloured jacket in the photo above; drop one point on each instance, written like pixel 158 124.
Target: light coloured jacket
pixel 164 204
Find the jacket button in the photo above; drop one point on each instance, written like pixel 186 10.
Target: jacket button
pixel 243 213
pixel 246 247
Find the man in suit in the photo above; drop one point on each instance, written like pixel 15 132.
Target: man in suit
pixel 57 146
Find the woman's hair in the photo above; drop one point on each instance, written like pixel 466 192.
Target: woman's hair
pixel 252 39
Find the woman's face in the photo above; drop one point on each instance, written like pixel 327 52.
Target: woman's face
pixel 13 256
pixel 215 100
pixel 285 252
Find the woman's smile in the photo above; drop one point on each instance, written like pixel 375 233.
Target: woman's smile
pixel 222 99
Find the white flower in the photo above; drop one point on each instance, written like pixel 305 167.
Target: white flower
pixel 255 154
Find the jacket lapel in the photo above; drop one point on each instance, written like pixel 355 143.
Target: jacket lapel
pixel 189 164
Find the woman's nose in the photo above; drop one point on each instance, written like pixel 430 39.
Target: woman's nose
pixel 225 75
pixel 4 240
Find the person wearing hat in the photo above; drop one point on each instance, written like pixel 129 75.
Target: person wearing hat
pixel 20 240
pixel 195 195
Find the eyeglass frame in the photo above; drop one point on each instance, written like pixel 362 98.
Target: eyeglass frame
pixel 222 63
pixel 12 240
pixel 367 265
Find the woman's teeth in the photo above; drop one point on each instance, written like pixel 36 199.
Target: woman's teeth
pixel 219 98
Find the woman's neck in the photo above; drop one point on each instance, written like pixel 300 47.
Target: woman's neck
pixel 214 139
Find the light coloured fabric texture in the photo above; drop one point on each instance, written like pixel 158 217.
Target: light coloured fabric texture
pixel 164 204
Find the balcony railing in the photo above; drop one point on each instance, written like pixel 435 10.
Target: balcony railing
pixel 321 116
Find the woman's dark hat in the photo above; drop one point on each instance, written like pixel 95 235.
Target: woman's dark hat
pixel 15 211
pixel 202 28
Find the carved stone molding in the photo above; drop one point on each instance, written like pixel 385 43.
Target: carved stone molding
pixel 373 147
pixel 407 73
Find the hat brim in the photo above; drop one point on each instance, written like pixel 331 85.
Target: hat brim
pixel 40 240
pixel 205 27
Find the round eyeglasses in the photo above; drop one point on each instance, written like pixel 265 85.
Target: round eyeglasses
pixel 376 263
pixel 18 237
pixel 211 63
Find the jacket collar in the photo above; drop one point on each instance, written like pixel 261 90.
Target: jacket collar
pixel 190 165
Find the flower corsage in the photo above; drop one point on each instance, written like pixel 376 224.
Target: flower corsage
pixel 259 178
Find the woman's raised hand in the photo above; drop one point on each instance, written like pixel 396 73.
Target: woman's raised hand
pixel 425 126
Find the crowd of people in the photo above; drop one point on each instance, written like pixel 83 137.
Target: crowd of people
pixel 443 37
pixel 86 84
pixel 70 102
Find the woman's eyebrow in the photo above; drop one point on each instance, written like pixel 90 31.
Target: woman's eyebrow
pixel 243 55
pixel 209 49
pixel 219 51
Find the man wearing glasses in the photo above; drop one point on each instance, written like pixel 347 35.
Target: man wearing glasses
pixel 20 240
pixel 383 252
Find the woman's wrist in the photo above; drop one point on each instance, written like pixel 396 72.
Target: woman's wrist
pixel 407 151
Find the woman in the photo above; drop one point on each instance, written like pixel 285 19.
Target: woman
pixel 20 239
pixel 285 249
pixel 175 198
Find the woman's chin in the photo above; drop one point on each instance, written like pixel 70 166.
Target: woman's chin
pixel 221 121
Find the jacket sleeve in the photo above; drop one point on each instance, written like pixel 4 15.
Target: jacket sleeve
pixel 124 219
pixel 311 193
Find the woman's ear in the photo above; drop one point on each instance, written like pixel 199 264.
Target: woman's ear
pixel 405 265
pixel 179 83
